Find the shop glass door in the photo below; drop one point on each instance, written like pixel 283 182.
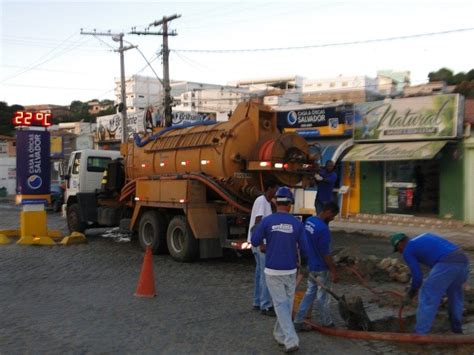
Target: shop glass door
pixel 412 187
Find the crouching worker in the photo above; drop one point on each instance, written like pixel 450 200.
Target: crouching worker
pixel 449 271
pixel 283 233
pixel 321 266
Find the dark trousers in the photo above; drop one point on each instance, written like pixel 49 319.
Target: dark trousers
pixel 318 205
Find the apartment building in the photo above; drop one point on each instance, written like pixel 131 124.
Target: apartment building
pixel 348 89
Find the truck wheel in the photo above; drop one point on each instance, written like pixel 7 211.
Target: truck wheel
pixel 181 242
pixel 152 232
pixel 74 219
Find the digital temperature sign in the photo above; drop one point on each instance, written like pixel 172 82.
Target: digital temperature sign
pixel 25 118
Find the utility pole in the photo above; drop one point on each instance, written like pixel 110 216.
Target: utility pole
pixel 165 52
pixel 118 37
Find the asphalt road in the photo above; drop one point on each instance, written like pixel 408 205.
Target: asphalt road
pixel 79 299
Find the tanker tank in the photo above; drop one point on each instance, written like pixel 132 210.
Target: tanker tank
pixel 238 154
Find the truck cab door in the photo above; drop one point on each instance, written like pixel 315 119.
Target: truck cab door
pixel 73 172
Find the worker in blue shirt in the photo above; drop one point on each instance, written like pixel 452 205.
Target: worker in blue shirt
pixel 283 234
pixel 449 271
pixel 326 182
pixel 321 266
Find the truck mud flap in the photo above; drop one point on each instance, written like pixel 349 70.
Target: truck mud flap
pixel 88 205
pixel 210 248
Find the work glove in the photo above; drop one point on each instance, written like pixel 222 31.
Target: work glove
pixel 408 298
pixel 318 177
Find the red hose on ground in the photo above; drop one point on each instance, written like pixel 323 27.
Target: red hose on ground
pixel 398 337
pixel 364 283
pixel 401 322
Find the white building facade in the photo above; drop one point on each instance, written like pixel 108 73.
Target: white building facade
pixel 219 102
pixel 140 91
pixel 348 89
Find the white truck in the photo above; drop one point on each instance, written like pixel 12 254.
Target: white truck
pixel 84 173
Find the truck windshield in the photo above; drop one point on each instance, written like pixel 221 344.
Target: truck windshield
pixel 97 164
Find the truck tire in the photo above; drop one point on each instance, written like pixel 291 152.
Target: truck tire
pixel 74 219
pixel 152 232
pixel 182 245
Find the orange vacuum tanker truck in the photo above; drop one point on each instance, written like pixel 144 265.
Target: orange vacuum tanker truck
pixel 190 189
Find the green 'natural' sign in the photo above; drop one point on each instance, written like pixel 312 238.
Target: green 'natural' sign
pixel 428 117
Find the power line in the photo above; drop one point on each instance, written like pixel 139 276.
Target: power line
pixel 149 61
pixel 334 44
pixel 149 64
pixel 44 56
pixel 190 62
pixel 118 37
pixel 67 50
pixel 105 43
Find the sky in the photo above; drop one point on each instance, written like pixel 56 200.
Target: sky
pixel 45 60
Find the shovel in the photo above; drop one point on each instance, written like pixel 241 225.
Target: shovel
pixel 353 313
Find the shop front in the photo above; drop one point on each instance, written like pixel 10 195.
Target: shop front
pixel 328 131
pixel 325 128
pixel 409 155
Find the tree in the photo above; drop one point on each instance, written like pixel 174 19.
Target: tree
pixel 464 82
pixel 458 78
pixel 470 75
pixel 466 88
pixel 110 111
pixel 443 74
pixel 80 111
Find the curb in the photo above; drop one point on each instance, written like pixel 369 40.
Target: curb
pixel 385 234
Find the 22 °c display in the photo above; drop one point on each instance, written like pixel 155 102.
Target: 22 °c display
pixel 25 118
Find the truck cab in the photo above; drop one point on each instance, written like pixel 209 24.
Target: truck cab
pixel 84 174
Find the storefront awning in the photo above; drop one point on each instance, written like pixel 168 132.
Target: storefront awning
pixel 394 151
pixel 330 149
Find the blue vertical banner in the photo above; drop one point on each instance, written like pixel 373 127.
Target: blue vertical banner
pixel 32 162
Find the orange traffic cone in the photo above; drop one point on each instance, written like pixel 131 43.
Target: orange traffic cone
pixel 146 284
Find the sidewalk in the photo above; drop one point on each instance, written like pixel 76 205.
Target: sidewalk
pixel 461 235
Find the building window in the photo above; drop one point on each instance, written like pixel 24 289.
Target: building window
pixel 344 83
pixel 319 84
pixel 332 84
pixel 141 96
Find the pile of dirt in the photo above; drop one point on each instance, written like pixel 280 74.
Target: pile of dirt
pixel 372 267
pixel 469 300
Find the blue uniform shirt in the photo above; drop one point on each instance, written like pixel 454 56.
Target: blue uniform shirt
pixel 318 242
pixel 325 187
pixel 282 232
pixel 426 249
